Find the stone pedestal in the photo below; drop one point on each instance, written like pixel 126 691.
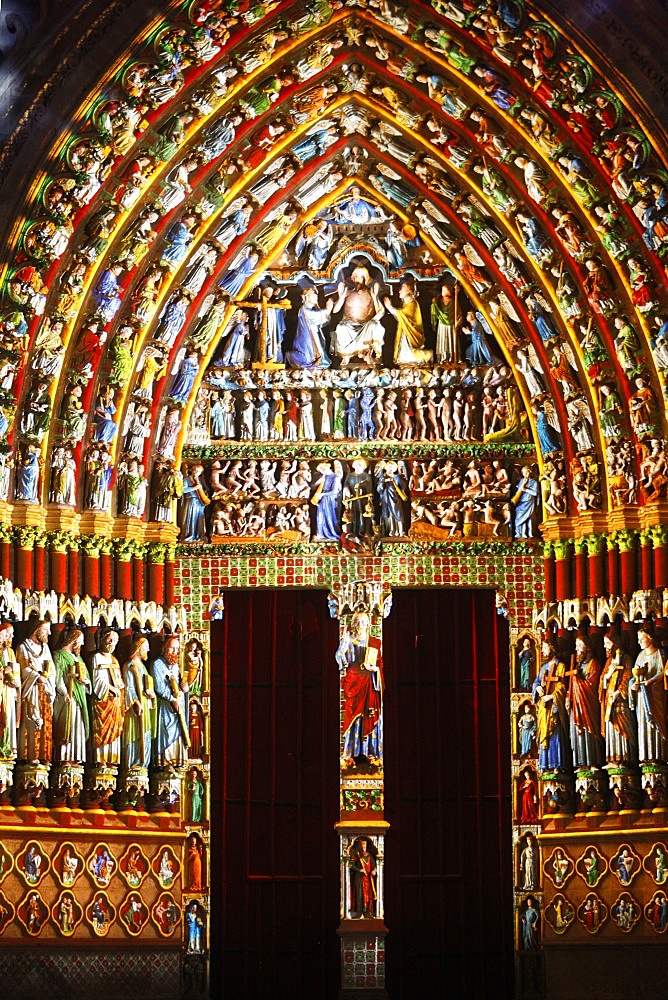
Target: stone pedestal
pixel 591 791
pixel 133 787
pixel 165 787
pixel 362 960
pixel 624 784
pixel 30 784
pixel 67 782
pixel 557 794
pixel 100 785
pixel 654 786
pixel 6 780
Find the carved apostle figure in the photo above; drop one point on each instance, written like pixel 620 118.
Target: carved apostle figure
pixel 648 697
pixel 617 716
pixel 139 708
pixel 108 689
pixel 10 694
pixel 172 741
pixel 38 690
pixel 71 725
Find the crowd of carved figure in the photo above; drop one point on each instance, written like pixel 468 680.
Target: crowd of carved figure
pixel 358 501
pixel 601 708
pixel 517 167
pixel 59 711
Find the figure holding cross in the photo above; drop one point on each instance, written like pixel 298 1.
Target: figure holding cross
pixel 271 326
pixel 552 722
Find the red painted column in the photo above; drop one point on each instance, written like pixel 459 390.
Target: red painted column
pixel 73 575
pixel 595 564
pixel 105 571
pixel 40 564
pixel 24 567
pixel 628 579
pixel 548 571
pixel 138 573
pixel 660 536
pixel 156 572
pixel 124 549
pixel 580 569
pixel 646 561
pixel 169 576
pixel 563 562
pixel 91 570
pixel 612 564
pixel 6 559
pixel 58 568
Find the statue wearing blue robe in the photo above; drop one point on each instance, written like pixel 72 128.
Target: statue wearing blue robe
pixel 233 281
pixel 392 490
pixel 233 352
pixel 478 353
pixel 105 426
pixel 107 295
pixel 184 379
pixel 548 438
pixel 193 506
pixel 327 502
pixel 218 138
pixel 178 241
pixel 170 745
pixel 312 145
pixel 27 478
pixel 172 318
pixel 525 502
pixel 552 722
pixel 308 347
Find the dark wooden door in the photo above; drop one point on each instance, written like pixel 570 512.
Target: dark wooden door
pixel 448 877
pixel 274 723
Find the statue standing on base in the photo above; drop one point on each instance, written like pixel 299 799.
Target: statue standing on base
pixel 38 690
pixel 621 739
pixel 107 702
pixel 10 693
pixel 648 696
pixel 171 741
pixel 139 709
pixel 71 724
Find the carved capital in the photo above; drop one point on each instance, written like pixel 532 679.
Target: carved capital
pixel 124 548
pixel 105 544
pixel 90 546
pixel 156 552
pixel 659 535
pixel 562 548
pixel 595 544
pixel 59 540
pixel 625 539
pixel 27 536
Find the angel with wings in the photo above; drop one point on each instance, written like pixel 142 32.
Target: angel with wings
pixel 470 265
pixel 540 310
pixel 530 367
pixel 507 259
pixel 564 367
pixel 503 315
pixel 548 427
pixel 580 422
